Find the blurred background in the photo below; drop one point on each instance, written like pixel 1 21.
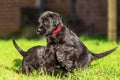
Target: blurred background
pixel 84 17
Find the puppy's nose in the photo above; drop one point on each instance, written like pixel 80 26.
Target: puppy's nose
pixel 38 31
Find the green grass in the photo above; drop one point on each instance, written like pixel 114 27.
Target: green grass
pixel 107 68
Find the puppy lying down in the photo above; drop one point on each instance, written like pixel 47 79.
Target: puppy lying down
pixel 33 59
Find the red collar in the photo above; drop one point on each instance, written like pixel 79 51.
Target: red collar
pixel 59 28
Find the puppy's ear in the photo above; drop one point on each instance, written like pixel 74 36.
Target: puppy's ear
pixel 57 18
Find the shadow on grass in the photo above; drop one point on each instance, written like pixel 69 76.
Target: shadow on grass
pixel 17 65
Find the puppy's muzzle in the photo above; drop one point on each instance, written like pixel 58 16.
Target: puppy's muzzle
pixel 38 31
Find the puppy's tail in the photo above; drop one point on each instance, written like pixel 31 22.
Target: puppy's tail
pixel 18 48
pixel 97 56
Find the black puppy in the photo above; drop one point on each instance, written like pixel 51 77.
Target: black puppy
pixel 37 58
pixel 33 59
pixel 70 52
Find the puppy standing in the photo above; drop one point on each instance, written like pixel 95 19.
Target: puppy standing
pixel 70 52
pixel 33 59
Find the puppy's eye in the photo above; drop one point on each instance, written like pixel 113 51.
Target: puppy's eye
pixel 45 22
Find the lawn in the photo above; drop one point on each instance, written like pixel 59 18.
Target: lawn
pixel 107 68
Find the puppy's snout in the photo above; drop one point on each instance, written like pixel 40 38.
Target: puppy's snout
pixel 38 31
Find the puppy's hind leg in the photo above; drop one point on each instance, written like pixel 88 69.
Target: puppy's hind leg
pixel 25 68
